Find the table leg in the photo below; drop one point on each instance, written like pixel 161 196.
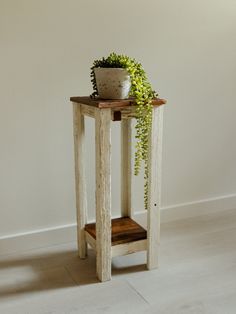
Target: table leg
pixel 154 188
pixel 126 168
pixel 103 193
pixel 81 202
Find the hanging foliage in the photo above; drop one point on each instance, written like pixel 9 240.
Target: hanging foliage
pixel 143 94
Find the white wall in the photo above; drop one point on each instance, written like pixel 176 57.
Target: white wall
pixel 188 49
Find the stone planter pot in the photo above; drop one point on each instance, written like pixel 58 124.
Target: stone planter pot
pixel 112 83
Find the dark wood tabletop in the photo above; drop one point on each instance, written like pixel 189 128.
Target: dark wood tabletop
pixel 111 103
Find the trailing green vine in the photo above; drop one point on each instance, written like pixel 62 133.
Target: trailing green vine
pixel 143 93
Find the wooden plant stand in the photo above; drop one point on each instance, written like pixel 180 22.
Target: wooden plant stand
pixel 120 236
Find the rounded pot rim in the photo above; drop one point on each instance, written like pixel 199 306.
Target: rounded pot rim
pixel 118 69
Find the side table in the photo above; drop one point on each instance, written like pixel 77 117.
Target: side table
pixel 120 236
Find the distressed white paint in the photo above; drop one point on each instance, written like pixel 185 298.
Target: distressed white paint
pixel 129 248
pixel 126 168
pixel 103 193
pixel 88 111
pixel 90 240
pixel 120 249
pixel 154 187
pixel 80 186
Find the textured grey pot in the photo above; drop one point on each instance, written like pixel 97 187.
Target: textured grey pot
pixel 112 83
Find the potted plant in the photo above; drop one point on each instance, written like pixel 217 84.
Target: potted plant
pixel 119 77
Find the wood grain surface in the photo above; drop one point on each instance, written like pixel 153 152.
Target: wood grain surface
pixel 111 103
pixel 124 230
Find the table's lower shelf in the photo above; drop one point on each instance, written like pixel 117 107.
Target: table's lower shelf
pixel 127 236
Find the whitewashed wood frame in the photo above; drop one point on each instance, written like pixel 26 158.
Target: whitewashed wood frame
pixel 154 188
pixel 80 186
pixel 103 193
pixel 126 168
pixel 129 248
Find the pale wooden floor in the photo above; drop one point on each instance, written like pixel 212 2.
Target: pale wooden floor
pixel 197 274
